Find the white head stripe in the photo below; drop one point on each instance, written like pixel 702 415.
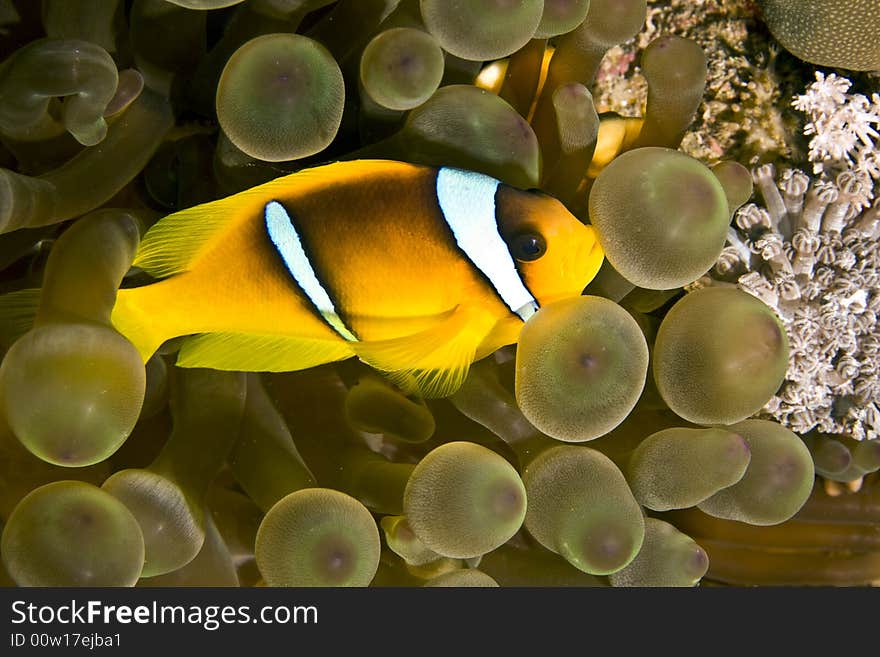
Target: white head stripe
pixel 467 200
pixel 285 238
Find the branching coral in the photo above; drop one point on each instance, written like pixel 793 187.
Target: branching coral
pixel 811 255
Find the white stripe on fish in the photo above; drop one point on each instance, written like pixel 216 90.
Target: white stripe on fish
pixel 287 241
pixel 467 201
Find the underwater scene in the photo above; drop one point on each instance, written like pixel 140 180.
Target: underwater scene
pixel 454 293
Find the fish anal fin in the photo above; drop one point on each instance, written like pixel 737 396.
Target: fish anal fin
pixel 245 352
pixel 434 362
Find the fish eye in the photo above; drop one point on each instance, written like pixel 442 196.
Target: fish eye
pixel 527 247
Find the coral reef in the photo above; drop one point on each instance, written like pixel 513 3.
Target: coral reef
pixel 725 354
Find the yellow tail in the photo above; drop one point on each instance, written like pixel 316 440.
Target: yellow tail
pixel 138 322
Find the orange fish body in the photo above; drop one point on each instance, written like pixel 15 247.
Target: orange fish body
pixel 416 270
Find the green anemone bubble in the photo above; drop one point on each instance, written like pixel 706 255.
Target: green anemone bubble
pixel 401 68
pixel 463 500
pixel 466 577
pixel 667 558
pixel 376 407
pixel 827 32
pixel 72 393
pixel 470 128
pixel 866 455
pixel 830 457
pixel 561 16
pixel 172 525
pixel 280 97
pixel 736 181
pixel 679 468
pixel 581 507
pixel 318 537
pixel 661 216
pixel 482 29
pixel 70 533
pixel 581 365
pixel 777 482
pixel 212 566
pixel 676 71
pixel 402 540
pixel 86 266
pixel 82 72
pixel 719 356
pixel 205 4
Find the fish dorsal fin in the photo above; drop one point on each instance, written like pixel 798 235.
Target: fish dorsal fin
pixel 173 244
pixel 244 352
pixel 433 362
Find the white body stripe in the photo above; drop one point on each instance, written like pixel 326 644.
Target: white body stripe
pixel 285 238
pixel 467 201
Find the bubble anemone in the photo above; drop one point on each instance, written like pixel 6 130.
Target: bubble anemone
pixel 667 558
pixel 661 216
pixel 70 533
pixel 401 68
pixel 830 457
pixel 777 482
pixel 470 128
pixel 466 577
pixel 376 407
pixel 827 32
pixel 168 498
pixel 82 72
pixel 402 540
pixel 318 537
pixel 581 507
pixel 736 181
pixel 72 393
pixel 719 356
pixel 482 29
pixel 93 176
pixel 561 16
pixel 581 365
pixel 264 459
pixel 205 4
pixel 173 534
pixel 679 468
pixel 280 97
pixel 463 500
pixel 676 71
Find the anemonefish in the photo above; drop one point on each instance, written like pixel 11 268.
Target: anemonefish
pixel 418 271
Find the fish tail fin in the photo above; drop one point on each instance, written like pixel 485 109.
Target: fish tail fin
pixel 137 323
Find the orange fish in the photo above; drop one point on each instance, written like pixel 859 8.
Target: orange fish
pixel 418 271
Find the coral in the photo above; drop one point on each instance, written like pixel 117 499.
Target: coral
pixel 841 127
pixel 739 116
pixel 810 253
pixel 825 32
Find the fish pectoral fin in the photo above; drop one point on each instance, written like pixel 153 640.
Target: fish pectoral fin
pixel 248 352
pixel 434 362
